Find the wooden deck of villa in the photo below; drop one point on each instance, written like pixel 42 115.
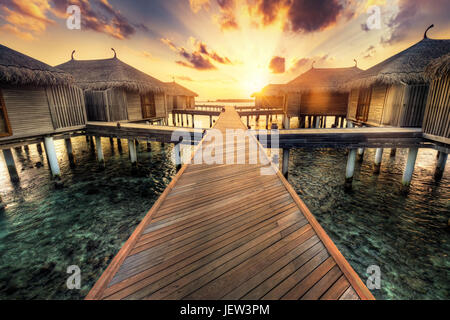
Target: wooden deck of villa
pixel 227 231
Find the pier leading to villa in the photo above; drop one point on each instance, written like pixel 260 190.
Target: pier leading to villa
pixel 225 231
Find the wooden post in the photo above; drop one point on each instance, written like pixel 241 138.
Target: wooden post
pixel 211 123
pixel 350 170
pixel 39 148
pixel 11 165
pixel 317 122
pixel 336 121
pixel 69 149
pixel 267 122
pixel 286 122
pixel 119 145
pixel 100 156
pixel 285 164
pixel 350 124
pixel 52 158
pixel 377 161
pixel 410 162
pixel 248 121
pixel 177 156
pixel 360 154
pixel 393 152
pixel 173 119
pixel 440 165
pixel 193 126
pixel 132 151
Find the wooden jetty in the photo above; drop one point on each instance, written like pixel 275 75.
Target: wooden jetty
pixel 225 231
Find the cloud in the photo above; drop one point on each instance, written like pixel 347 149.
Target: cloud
pixel 369 52
pixel 184 78
pixel 301 15
pixel 34 16
pixel 414 16
pixel 277 65
pixel 197 5
pixel 227 19
pixel 200 58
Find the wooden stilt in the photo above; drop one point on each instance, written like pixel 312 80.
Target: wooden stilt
pixel 177 150
pixel 377 161
pixel 350 170
pixel 52 158
pixel 393 152
pixel 100 156
pixel 440 165
pixel 285 165
pixel 132 151
pixel 119 146
pixel 409 169
pixel 11 165
pixel 360 154
pixel 69 149
pixel 39 148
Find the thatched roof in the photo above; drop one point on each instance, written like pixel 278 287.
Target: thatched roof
pixel 322 79
pixel 271 90
pixel 110 73
pixel 439 67
pixel 406 67
pixel 176 89
pixel 19 69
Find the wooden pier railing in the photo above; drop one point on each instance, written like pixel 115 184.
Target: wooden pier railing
pixel 227 231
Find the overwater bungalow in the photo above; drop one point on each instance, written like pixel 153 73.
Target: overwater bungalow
pixel 271 96
pixel 115 91
pixel 36 99
pixel 179 97
pixel 394 92
pixel 318 92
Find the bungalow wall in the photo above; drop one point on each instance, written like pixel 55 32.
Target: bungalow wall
pixel 160 104
pixel 134 106
pixel 34 111
pixel 292 102
pixel 169 103
pixel 106 105
pixel 437 112
pixel 269 101
pixel 393 105
pixel 323 103
pixel 180 102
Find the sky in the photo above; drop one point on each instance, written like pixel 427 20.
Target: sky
pixel 223 49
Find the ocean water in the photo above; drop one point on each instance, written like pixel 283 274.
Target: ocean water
pixel 45 230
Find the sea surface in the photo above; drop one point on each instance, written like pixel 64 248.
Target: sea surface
pixel 44 229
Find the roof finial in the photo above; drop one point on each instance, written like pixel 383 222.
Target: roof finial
pixel 425 34
pixel 73 52
pixel 312 66
pixel 356 63
pixel 115 54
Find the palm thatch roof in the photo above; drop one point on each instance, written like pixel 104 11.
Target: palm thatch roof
pixel 439 67
pixel 176 89
pixel 406 67
pixel 110 73
pixel 322 79
pixel 19 69
pixel 271 90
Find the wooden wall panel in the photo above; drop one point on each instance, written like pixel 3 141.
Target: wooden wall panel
pixel 377 104
pixel 134 106
pixel 352 104
pixel 160 106
pixel 414 104
pixel 437 113
pixel 67 106
pixel 293 101
pixel 324 103
pixel 393 105
pixel 28 111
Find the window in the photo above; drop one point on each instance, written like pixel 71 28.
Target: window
pixel 148 106
pixel 362 112
pixel 5 127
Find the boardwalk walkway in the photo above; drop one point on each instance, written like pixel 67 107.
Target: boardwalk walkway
pixel 228 232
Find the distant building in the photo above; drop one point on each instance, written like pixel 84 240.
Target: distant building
pixel 115 91
pixel 394 92
pixel 36 99
pixel 317 92
pixel 179 97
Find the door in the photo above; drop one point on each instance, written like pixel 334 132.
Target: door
pixel 148 106
pixel 5 126
pixel 362 111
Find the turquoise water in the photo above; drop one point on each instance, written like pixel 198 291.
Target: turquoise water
pixel 44 230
